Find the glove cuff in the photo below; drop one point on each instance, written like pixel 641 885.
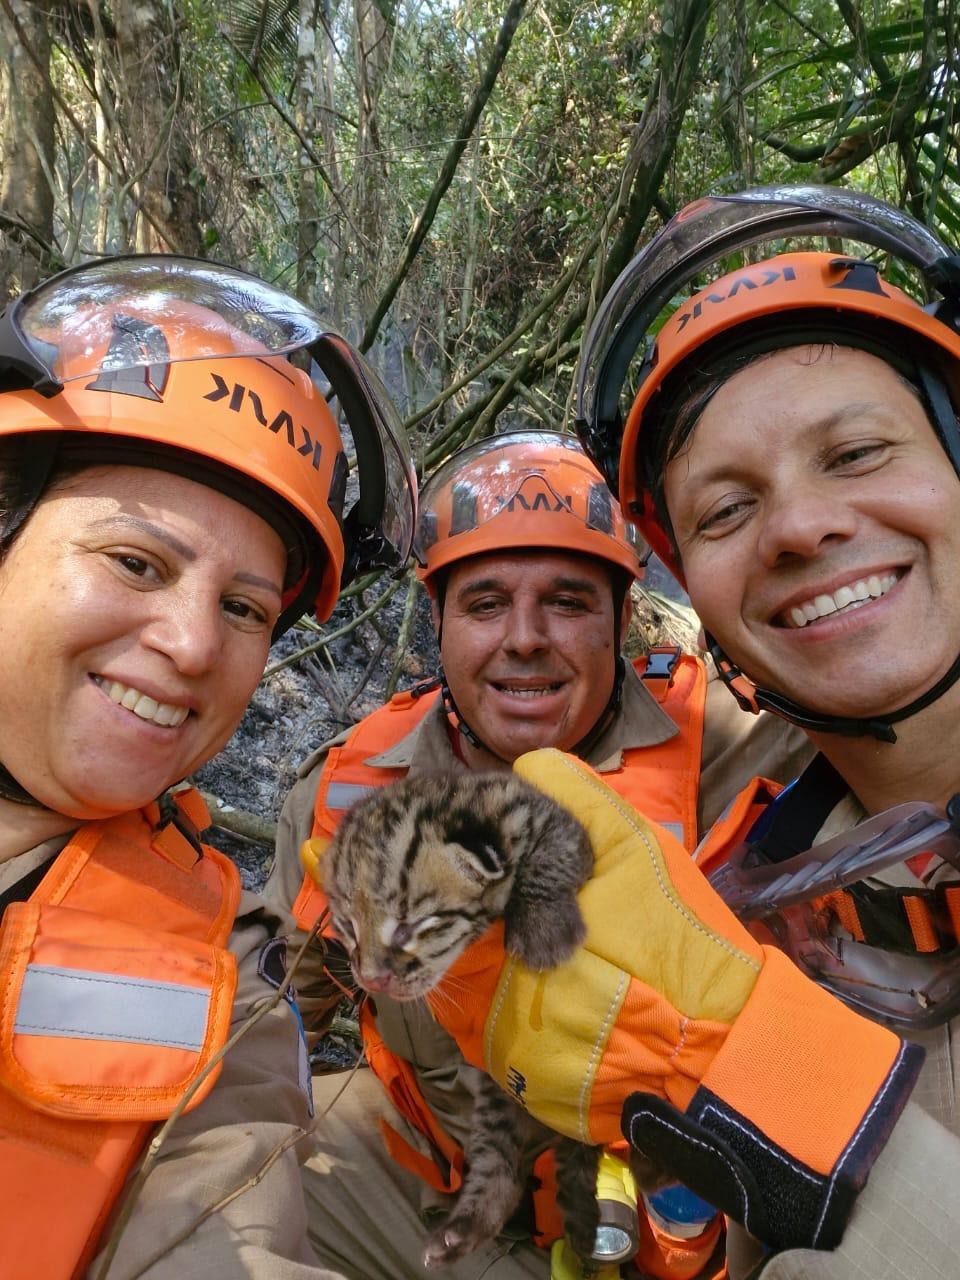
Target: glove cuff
pixel 790 1116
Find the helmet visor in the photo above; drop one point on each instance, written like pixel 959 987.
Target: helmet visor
pixel 903 990
pixel 148 311
pixel 382 520
pixel 152 305
pixel 706 233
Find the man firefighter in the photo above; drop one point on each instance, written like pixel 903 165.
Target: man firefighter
pixel 792 450
pixel 528 565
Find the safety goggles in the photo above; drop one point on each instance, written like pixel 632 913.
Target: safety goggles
pixel 791 901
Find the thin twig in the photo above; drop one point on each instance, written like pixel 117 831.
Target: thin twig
pixel 403 637
pixel 240 822
pixel 334 635
pixel 255 1178
pixel 367 673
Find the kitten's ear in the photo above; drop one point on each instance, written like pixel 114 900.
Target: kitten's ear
pixel 478 852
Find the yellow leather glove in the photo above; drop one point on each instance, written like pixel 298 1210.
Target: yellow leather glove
pixel 758 1090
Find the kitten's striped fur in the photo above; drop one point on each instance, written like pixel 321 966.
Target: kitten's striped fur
pixel 415 873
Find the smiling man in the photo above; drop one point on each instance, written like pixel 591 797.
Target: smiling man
pixel 528 565
pixel 530 645
pixel 792 452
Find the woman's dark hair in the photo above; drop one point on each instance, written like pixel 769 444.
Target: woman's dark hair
pixel 10 455
pixel 29 467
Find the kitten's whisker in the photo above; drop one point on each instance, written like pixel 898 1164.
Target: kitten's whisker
pixel 444 999
pixel 451 985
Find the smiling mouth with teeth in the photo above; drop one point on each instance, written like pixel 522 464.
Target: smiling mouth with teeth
pixel 537 692
pixel 844 600
pixel 141 704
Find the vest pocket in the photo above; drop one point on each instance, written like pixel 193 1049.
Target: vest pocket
pixel 101 1019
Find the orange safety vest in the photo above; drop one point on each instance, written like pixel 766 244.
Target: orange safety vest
pixel 662 780
pixel 735 823
pixel 117 993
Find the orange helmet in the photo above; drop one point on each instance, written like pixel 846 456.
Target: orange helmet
pixel 783 301
pixel 787 300
pixel 182 365
pixel 516 490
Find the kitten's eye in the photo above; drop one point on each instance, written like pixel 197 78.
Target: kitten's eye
pixel 402 937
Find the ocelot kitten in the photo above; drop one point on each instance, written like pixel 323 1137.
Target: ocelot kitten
pixel 416 872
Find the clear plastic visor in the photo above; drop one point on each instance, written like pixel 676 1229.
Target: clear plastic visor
pixel 706 233
pixel 187 309
pixel 139 311
pixel 905 991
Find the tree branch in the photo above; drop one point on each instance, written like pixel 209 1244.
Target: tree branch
pixel 421 227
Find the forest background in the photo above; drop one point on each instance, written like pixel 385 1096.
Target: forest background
pixel 454 184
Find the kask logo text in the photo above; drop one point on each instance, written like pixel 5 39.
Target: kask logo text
pixel 296 434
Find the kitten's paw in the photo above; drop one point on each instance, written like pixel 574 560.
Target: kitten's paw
pixel 546 936
pixel 458 1236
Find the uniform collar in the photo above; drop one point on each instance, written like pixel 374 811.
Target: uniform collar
pixel 640 722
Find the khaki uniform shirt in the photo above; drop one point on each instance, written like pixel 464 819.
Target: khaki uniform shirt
pixel 258 1102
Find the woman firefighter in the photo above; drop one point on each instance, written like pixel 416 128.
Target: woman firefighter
pixel 172 490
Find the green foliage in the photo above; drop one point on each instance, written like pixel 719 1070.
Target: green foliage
pixel 785 91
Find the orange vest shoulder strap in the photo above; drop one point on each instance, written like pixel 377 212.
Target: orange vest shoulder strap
pixel 347 778
pixel 444 1171
pixel 118 992
pixel 735 823
pixel 663 781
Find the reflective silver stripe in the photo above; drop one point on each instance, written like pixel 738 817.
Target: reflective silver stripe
pixel 344 795
pixel 675 829
pixel 83 1004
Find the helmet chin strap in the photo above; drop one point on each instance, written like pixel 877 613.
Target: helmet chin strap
pixel 880 727
pixel 10 789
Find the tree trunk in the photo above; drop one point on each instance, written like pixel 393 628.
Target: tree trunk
pixel 306 117
pixel 158 157
pixel 372 46
pixel 328 133
pixel 26 149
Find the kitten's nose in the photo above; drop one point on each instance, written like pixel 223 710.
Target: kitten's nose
pixel 380 981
